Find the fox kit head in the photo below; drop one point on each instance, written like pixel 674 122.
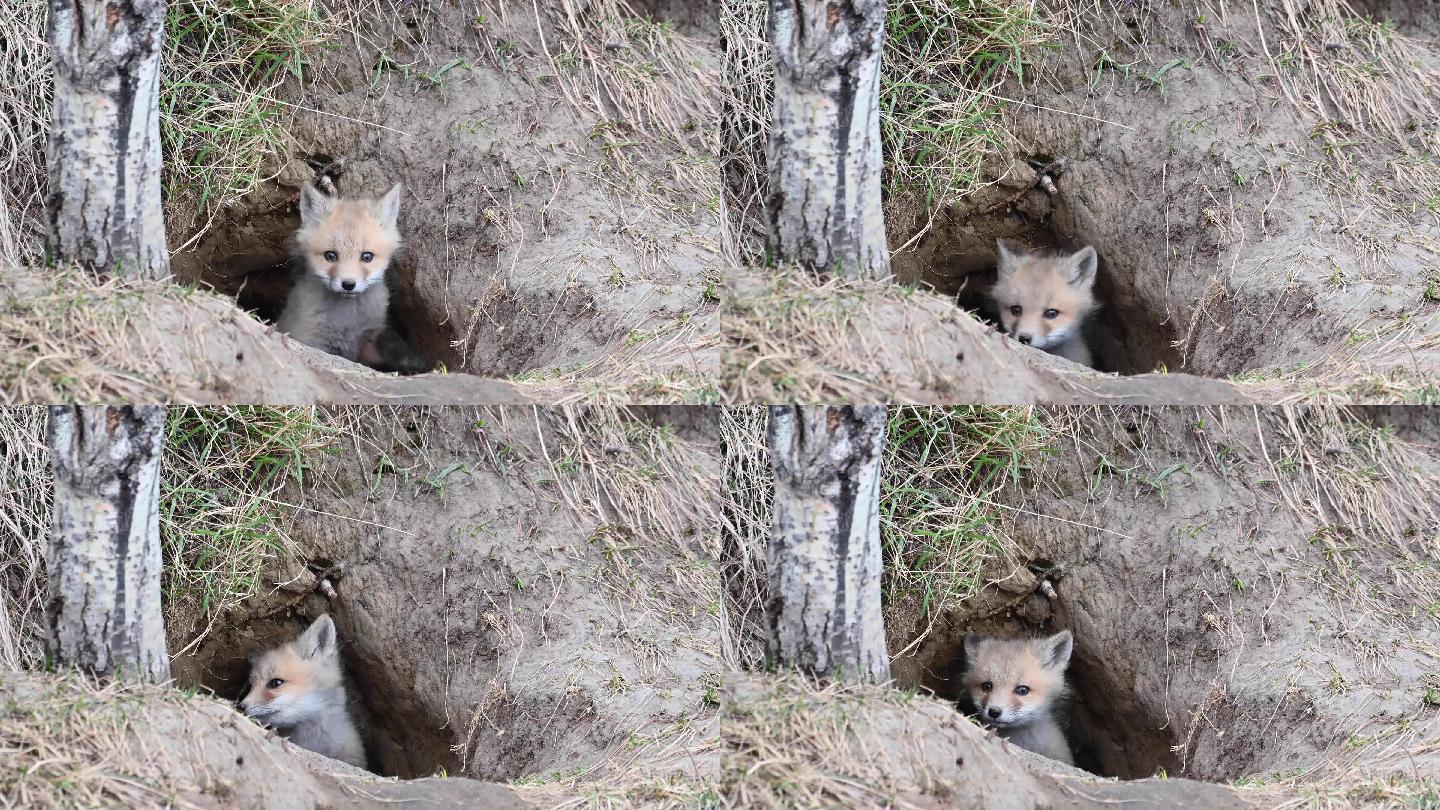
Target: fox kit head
pixel 1013 681
pixel 288 684
pixel 347 243
pixel 1043 299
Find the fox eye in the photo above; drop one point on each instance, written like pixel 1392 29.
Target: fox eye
pixel 1015 310
pixel 1052 314
pixel 366 256
pixel 1022 690
pixel 987 686
pixel 274 683
pixel 331 255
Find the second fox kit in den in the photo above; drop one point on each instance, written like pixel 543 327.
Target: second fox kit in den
pixel 1043 300
pixel 339 301
pixel 1017 686
pixel 298 690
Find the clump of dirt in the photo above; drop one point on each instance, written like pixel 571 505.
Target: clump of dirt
pixel 1224 628
pixel 511 605
pixel 547 216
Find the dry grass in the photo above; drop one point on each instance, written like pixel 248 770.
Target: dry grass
pixel 66 337
pixel 745 531
pixel 67 743
pixel 24 524
pixel 1366 91
pixel 25 92
pixel 1372 505
pixel 790 336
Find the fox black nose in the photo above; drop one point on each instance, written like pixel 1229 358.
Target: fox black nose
pixel 1023 338
pixel 992 711
pixel 350 285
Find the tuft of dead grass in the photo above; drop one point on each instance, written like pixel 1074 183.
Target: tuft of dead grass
pixel 67 743
pixel 745 530
pixel 25 91
pixel 1366 90
pixel 1372 504
pixel 24 525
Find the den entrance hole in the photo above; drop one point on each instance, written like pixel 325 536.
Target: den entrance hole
pixel 402 737
pixel 1111 732
pixel 957 258
pixel 247 255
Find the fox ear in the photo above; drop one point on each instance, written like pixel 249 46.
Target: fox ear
pixel 387 210
pixel 973 642
pixel 1082 268
pixel 1008 258
pixel 1055 650
pixel 315 206
pixel 318 640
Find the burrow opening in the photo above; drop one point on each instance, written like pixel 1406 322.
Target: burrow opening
pixel 1111 731
pixel 403 738
pixel 248 255
pixel 957 258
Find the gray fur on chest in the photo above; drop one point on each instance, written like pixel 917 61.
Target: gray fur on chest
pixel 1043 736
pixel 332 322
pixel 1075 350
pixel 330 732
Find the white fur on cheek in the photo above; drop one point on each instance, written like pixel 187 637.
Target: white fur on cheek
pixel 1055 338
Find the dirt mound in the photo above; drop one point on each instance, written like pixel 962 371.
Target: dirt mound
pixel 790 744
pixel 550 216
pixel 515 598
pixel 1246 592
pixel 64 337
pixel 151 746
pixel 790 337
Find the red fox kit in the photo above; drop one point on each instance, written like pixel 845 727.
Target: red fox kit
pixel 1017 686
pixel 1043 300
pixel 340 299
pixel 297 689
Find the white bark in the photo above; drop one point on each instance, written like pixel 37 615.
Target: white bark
pixel 824 559
pixel 104 152
pixel 824 155
pixel 103 606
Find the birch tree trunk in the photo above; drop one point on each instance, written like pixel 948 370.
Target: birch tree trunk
pixel 824 157
pixel 104 152
pixel 824 556
pixel 103 606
